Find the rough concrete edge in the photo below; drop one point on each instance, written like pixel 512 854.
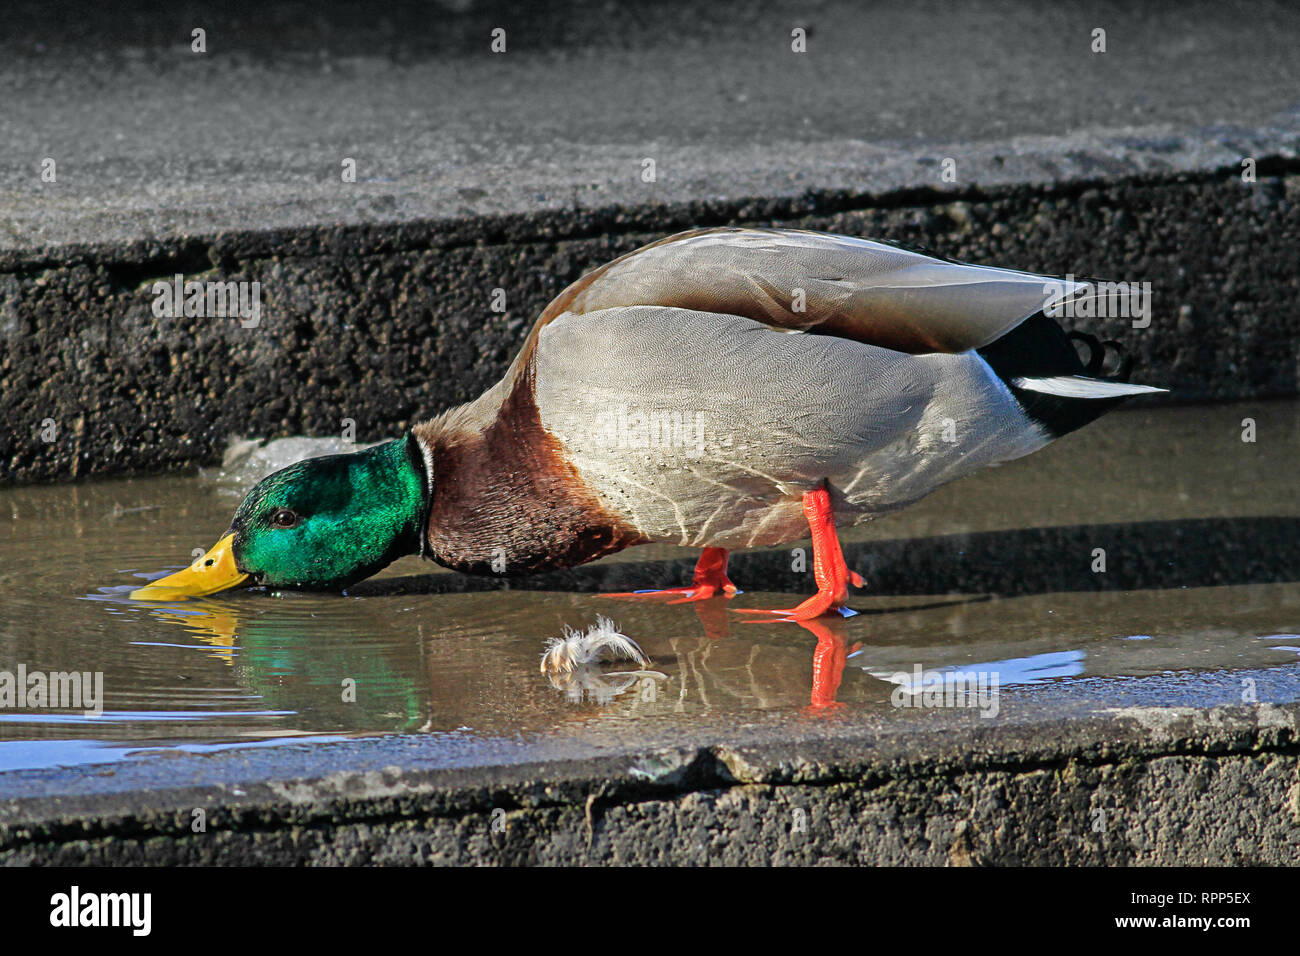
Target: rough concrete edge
pixel 139 262
pixel 1107 737
pixel 1053 172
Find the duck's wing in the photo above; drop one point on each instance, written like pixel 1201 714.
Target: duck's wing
pixel 804 281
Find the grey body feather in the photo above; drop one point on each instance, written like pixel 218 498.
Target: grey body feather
pixel 858 288
pixel 705 429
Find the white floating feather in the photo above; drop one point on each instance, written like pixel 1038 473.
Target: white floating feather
pixel 577 648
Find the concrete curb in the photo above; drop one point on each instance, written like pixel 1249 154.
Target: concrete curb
pixel 386 325
pixel 990 136
pixel 1129 785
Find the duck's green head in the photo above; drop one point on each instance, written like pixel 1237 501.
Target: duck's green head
pixel 321 524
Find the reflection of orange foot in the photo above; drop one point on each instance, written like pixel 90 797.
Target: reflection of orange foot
pixel 713 616
pixel 709 581
pixel 829 658
pixel 829 570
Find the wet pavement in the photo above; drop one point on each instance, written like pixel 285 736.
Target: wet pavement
pixel 994 579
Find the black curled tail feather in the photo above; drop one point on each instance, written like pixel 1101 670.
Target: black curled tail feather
pixel 1097 356
pixel 1039 349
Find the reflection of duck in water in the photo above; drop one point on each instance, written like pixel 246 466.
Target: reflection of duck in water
pixel 830 654
pixel 829 657
pixel 210 622
pixel 663 398
pixel 279 663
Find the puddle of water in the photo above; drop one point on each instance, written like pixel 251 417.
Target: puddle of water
pixel 1203 578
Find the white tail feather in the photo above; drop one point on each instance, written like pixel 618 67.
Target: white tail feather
pixel 1080 386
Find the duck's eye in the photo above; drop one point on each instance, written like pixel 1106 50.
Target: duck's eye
pixel 284 518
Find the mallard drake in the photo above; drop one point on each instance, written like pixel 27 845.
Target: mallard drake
pixel 718 389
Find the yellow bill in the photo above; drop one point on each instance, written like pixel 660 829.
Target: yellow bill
pixel 213 572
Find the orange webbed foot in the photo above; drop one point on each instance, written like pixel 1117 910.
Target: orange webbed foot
pixel 829 569
pixel 709 581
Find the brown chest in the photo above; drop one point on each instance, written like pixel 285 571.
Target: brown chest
pixel 506 501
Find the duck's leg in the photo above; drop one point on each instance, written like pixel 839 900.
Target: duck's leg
pixel 829 570
pixel 710 580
